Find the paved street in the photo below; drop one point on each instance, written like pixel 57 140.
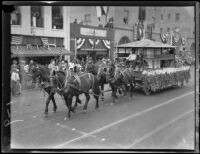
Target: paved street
pixel 161 120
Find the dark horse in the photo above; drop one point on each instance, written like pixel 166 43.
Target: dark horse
pixel 78 84
pixel 43 73
pixel 119 79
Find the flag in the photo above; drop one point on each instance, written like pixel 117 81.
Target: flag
pixel 99 13
pixel 176 39
pixel 101 10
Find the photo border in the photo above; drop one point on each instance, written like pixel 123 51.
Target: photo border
pixel 6 58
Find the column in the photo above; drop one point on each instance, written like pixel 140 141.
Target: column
pixel 26 19
pixel 47 16
pixel 66 28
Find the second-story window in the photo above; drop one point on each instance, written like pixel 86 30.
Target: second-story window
pixel 169 16
pixel 57 17
pixel 87 19
pixel 161 30
pixel 126 17
pixel 161 17
pixel 177 16
pixel 37 19
pixel 16 16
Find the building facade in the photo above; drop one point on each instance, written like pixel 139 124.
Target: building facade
pixel 40 31
pixel 161 20
pixel 124 21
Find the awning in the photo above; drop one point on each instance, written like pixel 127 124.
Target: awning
pixel 33 51
pixel 145 43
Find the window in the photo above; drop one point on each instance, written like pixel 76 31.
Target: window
pixel 57 17
pixel 126 17
pixel 87 18
pixel 161 17
pixel 161 30
pixel 168 29
pixel 16 16
pixel 142 13
pixel 169 16
pixel 177 16
pixel 37 16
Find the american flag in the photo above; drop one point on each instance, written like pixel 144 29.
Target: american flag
pixel 45 41
pixel 16 40
pixel 176 39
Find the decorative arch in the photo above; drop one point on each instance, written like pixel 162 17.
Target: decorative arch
pixel 124 40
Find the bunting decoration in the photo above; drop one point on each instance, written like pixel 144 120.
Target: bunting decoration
pixel 97 42
pixel 80 42
pixel 91 41
pixel 164 37
pixel 183 40
pixel 106 43
pixel 176 39
pixel 173 38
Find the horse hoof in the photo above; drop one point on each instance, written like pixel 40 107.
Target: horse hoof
pixel 97 108
pixel 45 113
pixel 65 119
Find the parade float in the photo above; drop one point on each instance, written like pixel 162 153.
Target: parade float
pixel 159 68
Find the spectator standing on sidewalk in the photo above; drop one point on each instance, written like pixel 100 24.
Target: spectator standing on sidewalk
pixel 15 83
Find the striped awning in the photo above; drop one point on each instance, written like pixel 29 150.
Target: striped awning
pixel 16 40
pixel 33 51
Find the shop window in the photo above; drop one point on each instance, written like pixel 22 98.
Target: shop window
pixel 37 16
pixel 177 16
pixel 57 17
pixel 87 18
pixel 16 16
pixel 126 17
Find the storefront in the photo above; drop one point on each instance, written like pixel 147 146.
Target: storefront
pixel 40 49
pixel 91 41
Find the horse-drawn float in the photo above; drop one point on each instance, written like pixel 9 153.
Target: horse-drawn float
pixel 156 67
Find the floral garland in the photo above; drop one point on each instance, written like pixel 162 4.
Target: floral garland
pixel 157 80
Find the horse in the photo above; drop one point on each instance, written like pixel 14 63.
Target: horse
pixel 79 84
pixel 103 71
pixel 43 73
pixel 128 77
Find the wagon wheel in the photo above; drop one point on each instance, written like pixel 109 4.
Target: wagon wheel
pixel 147 91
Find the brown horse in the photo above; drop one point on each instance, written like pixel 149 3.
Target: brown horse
pixel 76 85
pixel 43 73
